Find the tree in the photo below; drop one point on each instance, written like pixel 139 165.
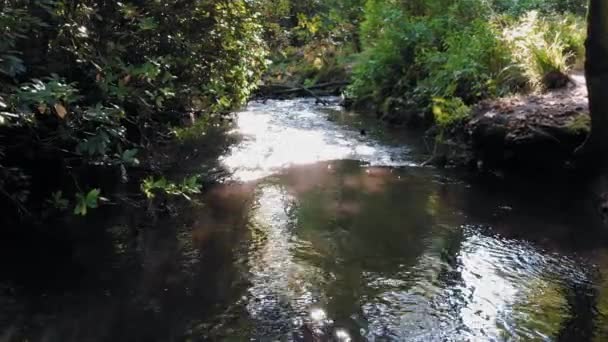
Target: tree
pixel 85 85
pixel 596 70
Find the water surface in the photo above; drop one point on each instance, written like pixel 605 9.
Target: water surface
pixel 329 229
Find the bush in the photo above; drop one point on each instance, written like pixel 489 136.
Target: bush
pixel 429 49
pixel 86 85
pixel 316 62
pixel 572 31
pixel 448 112
pixel 391 41
pixel 469 50
pixel 310 40
pixel 467 65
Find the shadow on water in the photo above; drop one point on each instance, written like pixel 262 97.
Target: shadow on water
pixel 336 236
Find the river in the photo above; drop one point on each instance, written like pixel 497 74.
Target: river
pixel 329 229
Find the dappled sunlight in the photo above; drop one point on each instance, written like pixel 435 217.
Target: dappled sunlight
pixel 302 170
pixel 281 288
pixel 286 133
pixel 491 288
pixel 489 293
pixel 511 289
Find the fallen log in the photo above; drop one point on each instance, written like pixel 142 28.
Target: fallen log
pixel 280 90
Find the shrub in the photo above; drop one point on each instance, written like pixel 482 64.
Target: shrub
pixel 85 85
pixel 572 31
pixel 387 64
pixel 467 64
pixel 448 112
pixel 430 49
pixel 188 186
pixel 470 50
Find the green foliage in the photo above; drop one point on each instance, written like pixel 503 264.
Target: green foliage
pixel 471 50
pixel 391 40
pixel 542 46
pixel 128 157
pixel 57 201
pixel 87 201
pixel 519 7
pixel 317 62
pixel 88 84
pixel 49 92
pixel 16 22
pixel 297 23
pixel 448 112
pixel 467 65
pixel 436 48
pixel 311 40
pixel 187 187
pixel 548 59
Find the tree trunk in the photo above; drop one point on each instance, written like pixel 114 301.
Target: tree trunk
pixel 596 71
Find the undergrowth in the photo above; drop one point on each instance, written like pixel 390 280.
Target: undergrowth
pixel 87 88
pixel 462 52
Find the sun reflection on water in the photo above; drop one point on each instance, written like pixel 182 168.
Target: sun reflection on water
pixel 289 133
pixel 318 315
pixel 342 335
pixel 281 287
pixel 344 251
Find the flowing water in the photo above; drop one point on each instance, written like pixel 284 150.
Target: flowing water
pixel 328 229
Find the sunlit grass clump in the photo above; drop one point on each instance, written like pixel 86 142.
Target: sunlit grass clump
pixel 546 49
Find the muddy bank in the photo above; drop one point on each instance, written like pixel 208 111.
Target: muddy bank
pixel 525 132
pixel 534 136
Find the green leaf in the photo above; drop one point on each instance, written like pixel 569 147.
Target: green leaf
pixel 80 209
pixel 86 202
pixel 81 205
pixel 92 198
pixel 58 201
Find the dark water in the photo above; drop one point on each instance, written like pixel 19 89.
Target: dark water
pixel 325 233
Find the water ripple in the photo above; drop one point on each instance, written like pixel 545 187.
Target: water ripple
pixel 278 134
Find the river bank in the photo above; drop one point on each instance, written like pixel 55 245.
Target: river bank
pixel 532 136
pixel 523 133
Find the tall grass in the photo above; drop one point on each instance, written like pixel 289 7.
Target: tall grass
pixel 542 46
